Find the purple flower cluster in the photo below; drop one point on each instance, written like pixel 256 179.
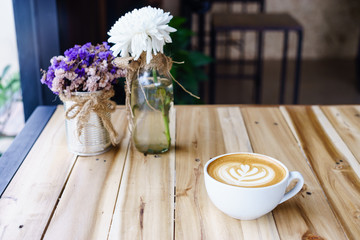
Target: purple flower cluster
pixel 85 68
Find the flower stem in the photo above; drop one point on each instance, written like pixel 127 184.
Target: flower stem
pixel 167 130
pixel 154 75
pixel 164 114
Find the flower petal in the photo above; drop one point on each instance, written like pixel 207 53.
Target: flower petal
pixel 144 29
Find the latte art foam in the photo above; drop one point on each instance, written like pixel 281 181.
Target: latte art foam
pixel 246 170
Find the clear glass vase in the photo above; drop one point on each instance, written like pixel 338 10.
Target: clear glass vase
pixel 151 102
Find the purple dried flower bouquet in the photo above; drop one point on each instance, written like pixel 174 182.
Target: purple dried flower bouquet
pixel 76 78
pixel 85 68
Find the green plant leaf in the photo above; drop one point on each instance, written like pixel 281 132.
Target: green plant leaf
pixel 191 72
pixel 5 71
pixel 199 59
pixel 9 84
pixel 177 22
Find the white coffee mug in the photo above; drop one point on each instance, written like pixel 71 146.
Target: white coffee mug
pixel 248 203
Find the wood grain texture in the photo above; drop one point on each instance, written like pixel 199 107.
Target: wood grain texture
pixel 145 204
pixel 331 166
pixel 90 193
pixel 235 135
pixel 236 139
pixel 303 214
pixel 11 160
pixel 28 202
pixel 123 194
pixel 200 138
pixel 210 132
pixel 346 121
pixel 336 140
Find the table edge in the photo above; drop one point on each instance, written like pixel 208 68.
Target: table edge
pixel 14 156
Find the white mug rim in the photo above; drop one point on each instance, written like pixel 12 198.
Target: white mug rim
pixel 247 188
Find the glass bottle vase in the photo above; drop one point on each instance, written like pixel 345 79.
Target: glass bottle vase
pixel 151 102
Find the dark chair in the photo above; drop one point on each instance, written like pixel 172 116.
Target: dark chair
pixel 242 21
pixel 259 22
pixel 201 10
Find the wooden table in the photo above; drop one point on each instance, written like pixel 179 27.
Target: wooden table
pixel 123 194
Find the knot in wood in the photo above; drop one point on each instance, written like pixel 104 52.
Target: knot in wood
pixel 311 236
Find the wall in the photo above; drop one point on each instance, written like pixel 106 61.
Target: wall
pixel 331 27
pixel 172 6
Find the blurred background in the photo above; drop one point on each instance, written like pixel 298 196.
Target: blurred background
pixel 33 31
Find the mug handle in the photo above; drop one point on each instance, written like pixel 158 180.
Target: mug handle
pixel 293 175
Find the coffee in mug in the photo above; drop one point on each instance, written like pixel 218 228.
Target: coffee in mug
pixel 247 186
pixel 246 170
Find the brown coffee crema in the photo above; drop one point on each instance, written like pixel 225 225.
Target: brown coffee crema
pixel 246 170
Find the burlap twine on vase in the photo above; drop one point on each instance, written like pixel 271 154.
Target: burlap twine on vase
pixel 92 102
pixel 159 62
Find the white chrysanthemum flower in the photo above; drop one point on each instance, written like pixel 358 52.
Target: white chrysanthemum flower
pixel 144 29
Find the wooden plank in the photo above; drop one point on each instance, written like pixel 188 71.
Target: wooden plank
pixel 195 216
pixel 29 200
pixel 90 194
pixel 210 132
pixel 302 216
pixel 145 204
pixel 234 131
pixel 330 162
pixel 346 121
pixel 236 139
pixel 337 140
pixel 11 160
